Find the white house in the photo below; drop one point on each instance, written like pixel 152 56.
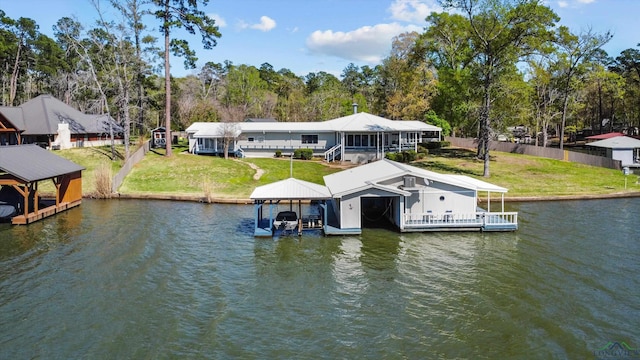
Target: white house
pixel 623 148
pixel 360 137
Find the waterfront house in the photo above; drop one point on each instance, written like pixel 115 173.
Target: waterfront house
pixel 50 123
pixel 623 148
pixel 358 138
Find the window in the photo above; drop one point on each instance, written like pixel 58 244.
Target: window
pixel 349 140
pixel 357 137
pixel 250 139
pixel 309 139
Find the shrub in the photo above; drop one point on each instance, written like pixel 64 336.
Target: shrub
pixel 391 156
pixel 406 156
pixel 409 156
pixel 304 154
pixel 103 178
pixel 278 153
pixel 433 145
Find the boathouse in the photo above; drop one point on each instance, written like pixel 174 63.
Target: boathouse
pixel 22 168
pixel 279 207
pixel 413 199
pixel 406 197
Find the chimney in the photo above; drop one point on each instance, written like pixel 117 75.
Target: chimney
pixel 355 108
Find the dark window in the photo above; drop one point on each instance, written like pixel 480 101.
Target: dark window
pixel 250 139
pixel 349 140
pixel 357 143
pixel 309 139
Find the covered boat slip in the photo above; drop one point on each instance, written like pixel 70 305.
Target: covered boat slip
pixel 22 167
pixel 289 206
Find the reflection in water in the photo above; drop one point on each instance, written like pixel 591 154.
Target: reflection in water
pixel 140 279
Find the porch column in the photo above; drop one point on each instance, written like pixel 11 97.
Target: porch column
pixel 402 211
pixel 342 152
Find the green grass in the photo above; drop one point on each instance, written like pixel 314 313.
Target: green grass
pixel 187 174
pixel 90 158
pixel 527 176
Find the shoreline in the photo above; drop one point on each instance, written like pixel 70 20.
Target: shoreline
pixel 246 201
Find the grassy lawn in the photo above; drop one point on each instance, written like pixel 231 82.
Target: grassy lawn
pixel 187 174
pixel 532 176
pixel 280 169
pixel 91 158
pixel 190 174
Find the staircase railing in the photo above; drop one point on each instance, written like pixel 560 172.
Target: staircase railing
pixel 330 155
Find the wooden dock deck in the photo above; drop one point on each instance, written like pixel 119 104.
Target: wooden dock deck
pixel 44 213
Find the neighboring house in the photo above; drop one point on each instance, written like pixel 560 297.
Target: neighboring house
pixel 11 125
pixel 49 122
pixel 623 148
pixel 409 198
pixel 357 138
pixel 603 136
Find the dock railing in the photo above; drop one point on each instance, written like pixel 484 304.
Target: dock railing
pixel 453 220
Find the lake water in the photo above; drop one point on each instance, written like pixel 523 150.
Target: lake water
pixel 158 279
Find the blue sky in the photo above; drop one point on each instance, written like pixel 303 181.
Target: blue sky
pixel 326 35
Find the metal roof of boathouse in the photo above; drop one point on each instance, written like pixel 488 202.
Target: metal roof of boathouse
pixel 31 163
pixel 291 189
pixel 370 175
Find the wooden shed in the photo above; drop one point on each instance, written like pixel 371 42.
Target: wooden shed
pixel 22 168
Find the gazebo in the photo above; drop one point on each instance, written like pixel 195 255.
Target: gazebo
pixel 289 191
pixel 22 167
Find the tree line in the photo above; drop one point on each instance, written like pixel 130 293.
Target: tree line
pixel 475 71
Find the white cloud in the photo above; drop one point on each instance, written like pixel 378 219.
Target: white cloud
pixel 218 19
pixel 563 4
pixel 586 1
pixel 413 10
pixel 367 44
pixel 266 24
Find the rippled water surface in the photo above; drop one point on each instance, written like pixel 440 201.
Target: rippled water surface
pixel 153 279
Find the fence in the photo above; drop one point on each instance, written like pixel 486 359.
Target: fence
pixel 128 165
pixel 551 153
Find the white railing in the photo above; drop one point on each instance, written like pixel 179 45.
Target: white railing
pixel 330 155
pixel 450 219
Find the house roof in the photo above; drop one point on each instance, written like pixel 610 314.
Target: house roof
pixel 360 122
pixel 14 115
pixel 31 163
pixel 618 142
pixel 604 136
pixel 42 114
pixel 291 189
pixel 366 176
